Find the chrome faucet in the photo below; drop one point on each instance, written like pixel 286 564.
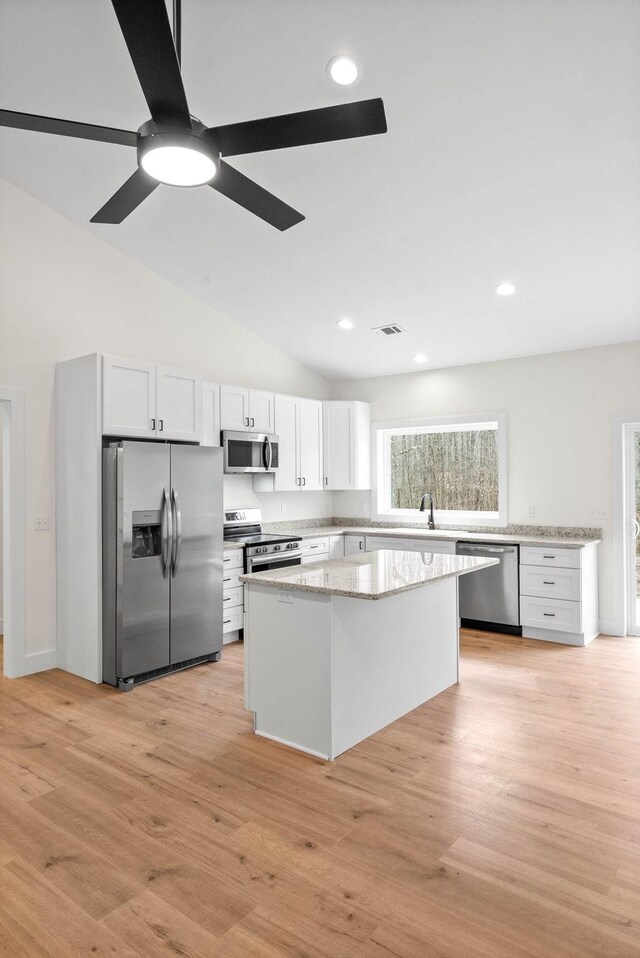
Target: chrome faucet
pixel 431 523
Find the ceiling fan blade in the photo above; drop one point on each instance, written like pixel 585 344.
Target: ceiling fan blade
pixel 254 198
pixel 130 195
pixel 147 33
pixel 363 118
pixel 49 124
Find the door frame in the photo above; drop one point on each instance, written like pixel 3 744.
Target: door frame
pixel 13 538
pixel 621 428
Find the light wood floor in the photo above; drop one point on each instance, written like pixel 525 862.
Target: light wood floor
pixel 500 820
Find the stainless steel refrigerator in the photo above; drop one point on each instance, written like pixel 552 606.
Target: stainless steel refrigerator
pixel 162 559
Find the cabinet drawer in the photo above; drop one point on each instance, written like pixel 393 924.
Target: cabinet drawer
pixel 311 546
pixel 556 614
pixel 550 583
pixel 315 557
pixel 233 619
pixel 231 579
pixel 232 597
pixel 560 558
pixel 232 560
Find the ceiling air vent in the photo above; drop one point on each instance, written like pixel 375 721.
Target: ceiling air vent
pixel 391 330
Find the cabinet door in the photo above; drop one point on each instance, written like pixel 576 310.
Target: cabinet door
pixel 210 415
pixel 336 547
pixel 310 443
pixel 353 545
pixel 261 411
pixel 234 408
pixel 339 445
pixel 287 475
pixel 179 404
pixel 128 398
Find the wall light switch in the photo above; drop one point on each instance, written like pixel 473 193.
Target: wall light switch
pixel 283 508
pixel 285 597
pixel 41 523
pixel 599 514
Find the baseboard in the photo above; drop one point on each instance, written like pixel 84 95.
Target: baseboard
pixel 608 627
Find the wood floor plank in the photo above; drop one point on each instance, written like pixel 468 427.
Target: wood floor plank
pixel 499 820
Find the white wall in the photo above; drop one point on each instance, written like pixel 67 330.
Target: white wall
pixel 64 293
pixel 559 409
pixel 1 531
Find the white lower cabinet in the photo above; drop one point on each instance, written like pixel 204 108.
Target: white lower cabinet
pixel 354 544
pixel 445 546
pixel 232 595
pixel 559 594
pixel 336 547
pixel 314 550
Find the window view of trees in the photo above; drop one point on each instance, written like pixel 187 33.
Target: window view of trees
pixel 459 469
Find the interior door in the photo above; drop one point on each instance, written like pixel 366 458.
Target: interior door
pixel 196 575
pixel 633 528
pixel 287 474
pixel 179 404
pixel 143 603
pixel 128 398
pixel 310 444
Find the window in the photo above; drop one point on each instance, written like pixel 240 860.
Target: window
pixel 462 463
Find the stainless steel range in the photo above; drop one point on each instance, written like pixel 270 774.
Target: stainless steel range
pixel 262 550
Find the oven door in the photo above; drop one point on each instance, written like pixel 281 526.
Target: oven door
pixel 268 563
pixel 249 452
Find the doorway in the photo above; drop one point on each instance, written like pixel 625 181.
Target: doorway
pixel 632 525
pixel 13 533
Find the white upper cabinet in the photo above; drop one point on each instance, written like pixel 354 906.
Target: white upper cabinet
pixel 287 475
pixel 347 445
pixel 247 410
pixel 210 415
pixel 234 408
pixel 298 424
pixel 128 398
pixel 261 411
pixel 145 401
pixel 310 443
pixel 179 404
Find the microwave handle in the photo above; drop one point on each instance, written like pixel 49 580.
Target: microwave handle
pixel 267 453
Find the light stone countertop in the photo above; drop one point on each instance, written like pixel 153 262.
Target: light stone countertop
pixel 370 575
pixel 457 535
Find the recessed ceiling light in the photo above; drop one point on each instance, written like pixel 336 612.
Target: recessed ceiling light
pixel 505 289
pixel 345 324
pixel 420 358
pixel 343 70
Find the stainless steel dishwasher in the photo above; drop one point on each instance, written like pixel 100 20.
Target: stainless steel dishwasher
pixel 490 598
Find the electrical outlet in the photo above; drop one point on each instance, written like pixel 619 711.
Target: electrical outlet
pixel 283 508
pixel 41 523
pixel 531 511
pixel 364 508
pixel 599 514
pixel 286 597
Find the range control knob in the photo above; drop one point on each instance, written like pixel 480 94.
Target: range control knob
pixel 277 548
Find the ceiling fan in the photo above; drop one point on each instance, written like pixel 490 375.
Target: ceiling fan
pixel 174 147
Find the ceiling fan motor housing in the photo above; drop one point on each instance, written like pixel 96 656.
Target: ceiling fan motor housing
pixel 152 135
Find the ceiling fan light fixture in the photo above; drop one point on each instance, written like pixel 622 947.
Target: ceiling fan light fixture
pixel 176 158
pixel 343 70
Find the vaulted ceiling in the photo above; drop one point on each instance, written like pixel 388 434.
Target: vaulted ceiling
pixel 513 152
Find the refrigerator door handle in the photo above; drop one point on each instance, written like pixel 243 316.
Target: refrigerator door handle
pixel 166 534
pixel 177 532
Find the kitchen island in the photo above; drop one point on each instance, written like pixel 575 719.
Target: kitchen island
pixel 336 650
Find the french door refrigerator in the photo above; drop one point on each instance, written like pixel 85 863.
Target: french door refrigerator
pixel 162 559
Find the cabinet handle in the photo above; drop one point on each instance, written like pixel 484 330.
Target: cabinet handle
pixel 153 425
pixel 326 480
pixel 551 615
pixel 314 547
pixel 160 425
pixel 226 621
pixel 227 599
pixel 253 422
pixel 548 557
pixel 304 481
pixel 360 544
pixel 228 579
pixel 298 481
pixel 226 560
pixel 246 422
pixel 547 583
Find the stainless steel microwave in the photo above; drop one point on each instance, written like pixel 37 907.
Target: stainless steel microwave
pixel 249 451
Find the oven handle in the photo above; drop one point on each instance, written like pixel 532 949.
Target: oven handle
pixel 283 564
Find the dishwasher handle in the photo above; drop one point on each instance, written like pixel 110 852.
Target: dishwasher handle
pixel 467 547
